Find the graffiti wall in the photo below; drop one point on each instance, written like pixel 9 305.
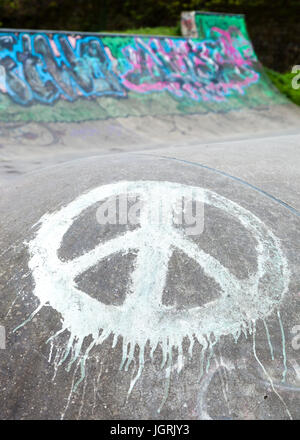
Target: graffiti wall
pixel 199 24
pixel 186 75
pixel 41 68
pixel 205 25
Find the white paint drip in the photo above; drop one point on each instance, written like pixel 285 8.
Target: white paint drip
pixel 96 385
pixel 168 372
pixel 268 376
pixel 11 306
pixel 70 395
pixel 269 340
pixel 283 347
pixel 217 366
pixel 143 317
pixel 224 381
pixel 82 397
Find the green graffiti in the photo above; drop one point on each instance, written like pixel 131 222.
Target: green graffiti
pixel 204 23
pixel 144 76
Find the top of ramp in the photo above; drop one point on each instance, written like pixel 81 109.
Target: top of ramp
pixel 130 92
pixel 197 24
pixel 50 76
pixel 140 318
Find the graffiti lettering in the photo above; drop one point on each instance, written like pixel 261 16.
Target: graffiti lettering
pixel 43 68
pixel 206 70
pixel 296 79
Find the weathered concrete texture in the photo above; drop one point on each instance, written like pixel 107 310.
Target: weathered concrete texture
pixel 143 320
pixel 31 146
pixel 271 163
pixel 240 380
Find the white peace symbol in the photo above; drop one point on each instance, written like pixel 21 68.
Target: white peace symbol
pixel 143 317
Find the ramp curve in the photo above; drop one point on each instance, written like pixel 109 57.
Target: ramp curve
pixel 142 319
pixel 66 94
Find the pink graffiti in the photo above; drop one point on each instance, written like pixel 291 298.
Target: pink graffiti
pixel 73 40
pixel 54 48
pixel 228 46
pixel 201 70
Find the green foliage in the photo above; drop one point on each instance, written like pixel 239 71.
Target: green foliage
pixel 147 12
pixel 283 81
pixel 273 25
pixel 92 15
pixel 172 31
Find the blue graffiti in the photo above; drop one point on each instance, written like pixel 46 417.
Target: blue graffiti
pixel 43 68
pixel 36 68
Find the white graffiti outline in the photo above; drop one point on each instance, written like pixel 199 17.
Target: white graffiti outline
pixel 142 317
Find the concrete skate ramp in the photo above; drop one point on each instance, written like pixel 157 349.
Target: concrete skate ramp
pixel 67 95
pixel 119 308
pixel 145 320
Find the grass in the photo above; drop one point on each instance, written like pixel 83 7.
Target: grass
pixel 173 31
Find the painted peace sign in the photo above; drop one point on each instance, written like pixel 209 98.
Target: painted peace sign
pixel 143 317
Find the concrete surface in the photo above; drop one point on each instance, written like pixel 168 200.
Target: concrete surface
pixel 21 151
pixel 238 377
pixel 144 320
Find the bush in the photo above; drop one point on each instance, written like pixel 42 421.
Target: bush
pixel 162 30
